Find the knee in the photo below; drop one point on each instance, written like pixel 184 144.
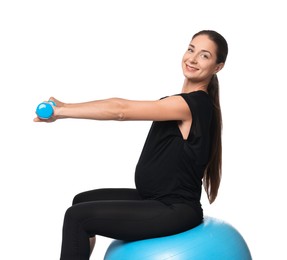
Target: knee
pixel 70 214
pixel 78 199
pixel 73 214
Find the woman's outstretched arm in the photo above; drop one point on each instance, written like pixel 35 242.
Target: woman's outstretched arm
pixel 170 108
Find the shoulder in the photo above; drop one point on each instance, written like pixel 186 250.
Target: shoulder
pixel 198 100
pixel 197 95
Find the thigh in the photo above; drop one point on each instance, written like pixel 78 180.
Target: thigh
pixel 107 194
pixel 133 219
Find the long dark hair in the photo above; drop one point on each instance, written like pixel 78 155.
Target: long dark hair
pixel 213 171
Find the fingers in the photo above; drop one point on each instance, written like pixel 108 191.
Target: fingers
pixel 56 101
pixel 53 99
pixel 50 120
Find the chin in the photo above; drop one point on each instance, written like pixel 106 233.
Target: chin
pixel 189 76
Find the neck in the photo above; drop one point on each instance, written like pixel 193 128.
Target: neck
pixel 189 86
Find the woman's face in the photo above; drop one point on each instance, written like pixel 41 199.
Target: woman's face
pixel 199 61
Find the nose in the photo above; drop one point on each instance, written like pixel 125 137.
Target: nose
pixel 192 59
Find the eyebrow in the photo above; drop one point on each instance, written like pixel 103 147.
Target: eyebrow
pixel 191 45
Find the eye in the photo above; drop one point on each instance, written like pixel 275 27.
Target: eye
pixel 190 49
pixel 204 56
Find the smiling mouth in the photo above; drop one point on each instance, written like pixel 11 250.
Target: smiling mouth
pixel 190 68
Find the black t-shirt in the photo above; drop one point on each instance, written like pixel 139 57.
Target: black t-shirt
pixel 170 168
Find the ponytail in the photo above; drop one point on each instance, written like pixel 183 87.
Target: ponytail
pixel 213 171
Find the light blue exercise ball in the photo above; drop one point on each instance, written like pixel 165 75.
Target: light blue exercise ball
pixel 214 239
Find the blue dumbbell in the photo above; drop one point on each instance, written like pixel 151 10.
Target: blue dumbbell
pixel 45 109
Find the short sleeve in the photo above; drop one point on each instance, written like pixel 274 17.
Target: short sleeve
pixel 199 103
pixel 201 108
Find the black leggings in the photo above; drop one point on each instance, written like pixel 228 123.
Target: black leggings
pixel 121 214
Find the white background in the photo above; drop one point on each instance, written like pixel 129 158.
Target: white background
pixel 84 50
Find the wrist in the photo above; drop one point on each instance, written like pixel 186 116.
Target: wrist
pixel 59 112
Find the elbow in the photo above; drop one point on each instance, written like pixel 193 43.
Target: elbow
pixel 120 109
pixel 121 116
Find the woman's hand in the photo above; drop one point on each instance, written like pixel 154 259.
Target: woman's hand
pixel 54 117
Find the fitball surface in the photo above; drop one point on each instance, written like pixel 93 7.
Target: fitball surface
pixel 45 110
pixel 214 239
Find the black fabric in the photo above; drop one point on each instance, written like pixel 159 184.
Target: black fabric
pixel 170 168
pixel 121 214
pixel 168 180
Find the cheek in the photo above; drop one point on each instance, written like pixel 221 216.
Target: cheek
pixel 209 67
pixel 184 60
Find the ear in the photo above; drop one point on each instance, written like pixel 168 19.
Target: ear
pixel 218 67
